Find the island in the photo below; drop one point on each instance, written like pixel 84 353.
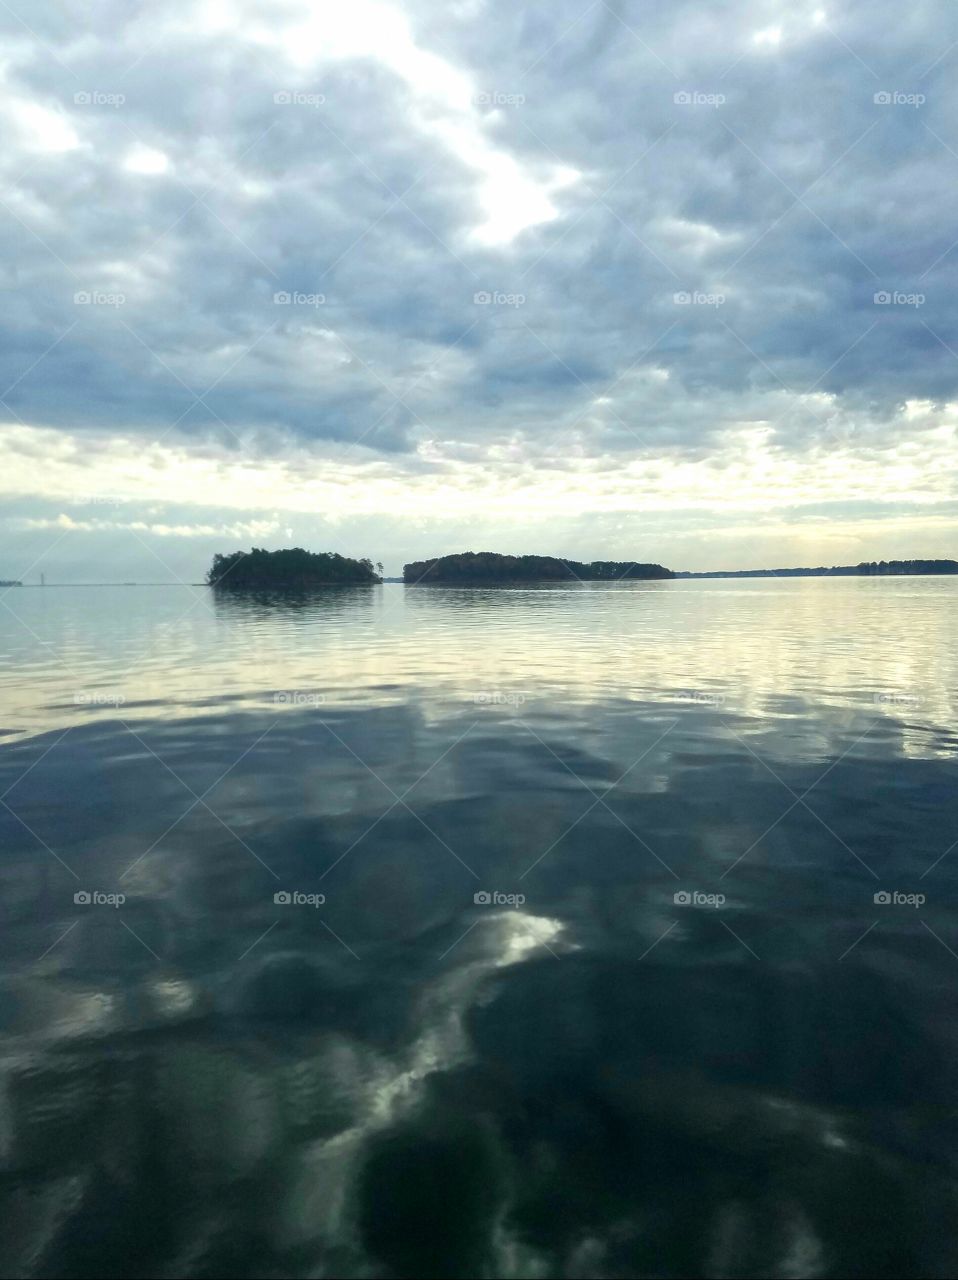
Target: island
pixel 488 568
pixel 292 569
pixel 866 569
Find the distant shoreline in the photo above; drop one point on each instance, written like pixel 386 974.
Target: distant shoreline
pixel 781 574
pixel 866 569
pixel 597 572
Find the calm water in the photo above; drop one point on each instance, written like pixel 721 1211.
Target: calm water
pixel 681 1039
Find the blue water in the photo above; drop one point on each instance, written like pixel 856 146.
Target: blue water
pixel 582 971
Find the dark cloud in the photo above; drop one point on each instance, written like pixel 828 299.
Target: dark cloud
pixel 781 187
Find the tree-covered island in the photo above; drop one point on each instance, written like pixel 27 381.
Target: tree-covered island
pixel 866 569
pixel 488 568
pixel 293 569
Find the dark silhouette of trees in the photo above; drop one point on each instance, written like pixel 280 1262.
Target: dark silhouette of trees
pixel 867 569
pixel 488 567
pixel 293 568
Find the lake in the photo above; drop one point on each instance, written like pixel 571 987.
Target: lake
pixel 589 930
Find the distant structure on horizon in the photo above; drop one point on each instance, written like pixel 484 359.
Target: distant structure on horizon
pixel 867 569
pixel 10 582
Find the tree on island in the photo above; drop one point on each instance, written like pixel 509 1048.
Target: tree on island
pixel 293 568
pixel 866 569
pixel 490 567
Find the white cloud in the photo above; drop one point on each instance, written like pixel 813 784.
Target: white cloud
pixel 146 160
pixel 39 128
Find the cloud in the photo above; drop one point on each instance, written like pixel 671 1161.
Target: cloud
pixel 237 531
pixel 571 239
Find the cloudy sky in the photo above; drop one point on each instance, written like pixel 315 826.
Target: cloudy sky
pixel 666 282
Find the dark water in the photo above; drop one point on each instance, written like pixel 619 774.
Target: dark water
pixel 602 1079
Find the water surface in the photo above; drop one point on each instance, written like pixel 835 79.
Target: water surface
pixel 599 985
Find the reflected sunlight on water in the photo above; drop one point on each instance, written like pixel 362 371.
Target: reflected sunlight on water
pixel 595 930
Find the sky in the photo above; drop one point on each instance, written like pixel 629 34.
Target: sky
pixel 671 283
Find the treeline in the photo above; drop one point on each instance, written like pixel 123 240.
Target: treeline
pixel 293 568
pixel 904 568
pixel 866 569
pixel 296 568
pixel 488 567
